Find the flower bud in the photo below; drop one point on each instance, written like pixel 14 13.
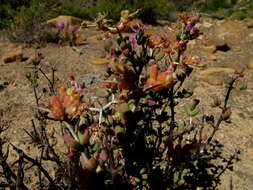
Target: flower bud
pixel 195 102
pixel 192 109
pixel 57 108
pixel 144 176
pixel 84 138
pixel 226 114
pixel 103 155
pixel 216 101
pixel 134 180
pixel 143 171
pixel 71 142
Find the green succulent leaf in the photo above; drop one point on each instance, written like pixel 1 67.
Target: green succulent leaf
pixel 190 111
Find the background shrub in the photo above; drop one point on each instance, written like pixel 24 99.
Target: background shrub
pixel 15 13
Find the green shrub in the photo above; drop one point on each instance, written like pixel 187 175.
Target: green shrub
pixel 33 32
pixel 112 8
pixel 9 9
pixel 214 5
pixel 34 12
pixel 75 8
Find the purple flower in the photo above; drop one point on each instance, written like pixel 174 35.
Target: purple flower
pixel 139 27
pixel 72 78
pixel 181 44
pixel 133 40
pixel 60 25
pixel 195 31
pixel 74 84
pixel 188 28
pixel 73 28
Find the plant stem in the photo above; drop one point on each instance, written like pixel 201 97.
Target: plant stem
pixel 36 163
pixel 216 127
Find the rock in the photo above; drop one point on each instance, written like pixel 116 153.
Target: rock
pixel 250 65
pixel 250 35
pixel 88 80
pixel 230 26
pixel 206 24
pixel 233 65
pixel 230 29
pixel 100 61
pixel 209 49
pixel 212 46
pixel 212 57
pixel 215 75
pixel 213 80
pixel 210 41
pixel 192 45
pixel 13 55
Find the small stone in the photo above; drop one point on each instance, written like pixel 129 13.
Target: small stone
pixel 88 80
pixel 209 49
pixel 192 45
pixel 211 41
pixel 250 65
pixel 206 24
pixel 214 80
pixel 215 75
pixel 99 61
pixel 250 35
pixel 13 55
pixel 232 65
pixel 212 57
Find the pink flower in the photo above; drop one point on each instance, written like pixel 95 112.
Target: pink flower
pixel 75 85
pixel 133 41
pixel 188 28
pixel 60 25
pixel 68 104
pixel 181 44
pixel 139 27
pixel 73 28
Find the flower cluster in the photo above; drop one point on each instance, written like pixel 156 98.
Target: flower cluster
pixel 160 80
pixel 62 26
pixel 68 104
pixel 67 33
